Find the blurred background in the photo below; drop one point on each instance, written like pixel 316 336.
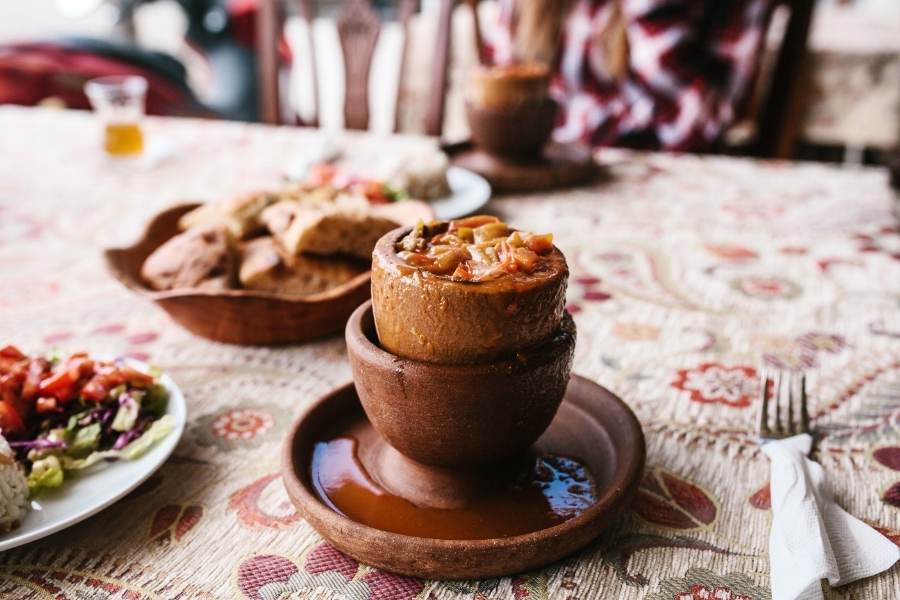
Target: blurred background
pixel 828 85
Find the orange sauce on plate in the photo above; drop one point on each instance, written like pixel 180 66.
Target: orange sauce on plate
pixel 554 490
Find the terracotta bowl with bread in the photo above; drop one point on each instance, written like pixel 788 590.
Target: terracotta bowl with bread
pixel 242 272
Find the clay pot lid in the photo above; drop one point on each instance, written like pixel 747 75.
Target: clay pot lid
pixel 592 425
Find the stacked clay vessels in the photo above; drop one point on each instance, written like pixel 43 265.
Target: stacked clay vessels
pixel 456 375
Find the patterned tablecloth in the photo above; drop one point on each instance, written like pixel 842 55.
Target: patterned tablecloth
pixel 687 274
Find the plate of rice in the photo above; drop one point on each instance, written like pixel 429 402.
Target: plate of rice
pixel 76 435
pixel 418 172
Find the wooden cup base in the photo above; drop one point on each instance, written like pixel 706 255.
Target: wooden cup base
pixel 558 166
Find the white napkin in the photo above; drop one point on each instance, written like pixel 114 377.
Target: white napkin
pixel 812 537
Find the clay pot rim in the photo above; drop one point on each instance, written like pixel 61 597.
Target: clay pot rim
pixel 387 243
pixel 359 345
pixel 625 472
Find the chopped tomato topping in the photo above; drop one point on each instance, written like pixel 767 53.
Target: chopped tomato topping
pixel 321 174
pixel 416 260
pixel 10 356
pixel 45 405
pixel 12 352
pixel 61 385
pixel 472 222
pixel 109 376
pixel 463 271
pixel 539 243
pixel 38 368
pixel 30 387
pixel 10 420
pixel 526 259
pixel 11 390
pixel 477 248
pixel 374 192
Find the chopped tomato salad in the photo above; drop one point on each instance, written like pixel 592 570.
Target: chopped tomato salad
pixel 373 190
pixel 68 414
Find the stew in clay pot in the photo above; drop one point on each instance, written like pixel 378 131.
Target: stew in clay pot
pixel 468 291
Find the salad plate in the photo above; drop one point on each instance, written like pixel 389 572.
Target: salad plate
pixel 88 492
pixel 469 192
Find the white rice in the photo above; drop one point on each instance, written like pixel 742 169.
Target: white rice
pixel 13 489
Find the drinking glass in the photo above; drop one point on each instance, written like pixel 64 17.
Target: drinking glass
pixel 119 102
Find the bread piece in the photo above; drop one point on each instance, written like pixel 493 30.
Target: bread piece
pixel 278 217
pixel 199 257
pixel 265 267
pixel 240 215
pixel 326 230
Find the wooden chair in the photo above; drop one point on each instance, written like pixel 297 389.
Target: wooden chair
pixel 358 27
pixel 778 116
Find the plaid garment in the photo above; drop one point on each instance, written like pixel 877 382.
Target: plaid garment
pixel 691 66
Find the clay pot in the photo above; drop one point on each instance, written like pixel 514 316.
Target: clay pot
pixel 438 320
pixel 459 415
pixel 518 132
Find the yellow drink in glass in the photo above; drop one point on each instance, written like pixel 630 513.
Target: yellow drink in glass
pixel 119 102
pixel 123 139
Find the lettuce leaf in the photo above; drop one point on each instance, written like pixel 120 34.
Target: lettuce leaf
pixel 156 400
pixel 126 416
pixel 45 473
pixel 85 439
pixel 158 430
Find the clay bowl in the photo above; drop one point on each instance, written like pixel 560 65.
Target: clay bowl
pixel 459 415
pixel 237 316
pixel 592 425
pixel 517 132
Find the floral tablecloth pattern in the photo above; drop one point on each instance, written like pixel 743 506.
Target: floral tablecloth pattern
pixel 688 275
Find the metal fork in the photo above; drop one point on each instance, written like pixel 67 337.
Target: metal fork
pixel 784 424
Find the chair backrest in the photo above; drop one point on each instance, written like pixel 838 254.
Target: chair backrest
pixel 358 27
pixel 779 119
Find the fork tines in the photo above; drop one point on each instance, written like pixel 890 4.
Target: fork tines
pixel 790 414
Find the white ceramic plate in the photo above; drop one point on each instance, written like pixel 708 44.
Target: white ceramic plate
pixel 89 492
pixel 470 191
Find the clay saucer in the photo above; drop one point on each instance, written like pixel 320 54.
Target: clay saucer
pixel 592 425
pixel 558 166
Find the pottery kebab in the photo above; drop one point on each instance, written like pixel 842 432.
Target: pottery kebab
pixel 472 430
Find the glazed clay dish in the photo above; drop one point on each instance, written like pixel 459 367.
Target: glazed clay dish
pixel 592 424
pixel 465 447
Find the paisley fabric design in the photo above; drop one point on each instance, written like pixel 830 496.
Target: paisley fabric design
pixel 711 383
pixel 325 568
pixel 245 426
pixel 701 584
